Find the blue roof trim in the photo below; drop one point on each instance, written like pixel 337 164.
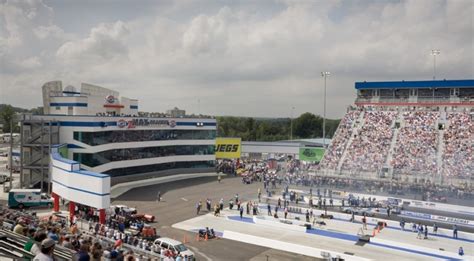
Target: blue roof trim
pixel 68 104
pixel 81 190
pixel 74 146
pixel 87 124
pixel 133 106
pixel 416 84
pixel 71 92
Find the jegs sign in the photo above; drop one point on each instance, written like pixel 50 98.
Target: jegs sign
pixel 228 148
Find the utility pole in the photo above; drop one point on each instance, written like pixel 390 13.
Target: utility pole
pixel 325 75
pixel 434 52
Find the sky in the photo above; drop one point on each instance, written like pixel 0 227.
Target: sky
pixel 241 58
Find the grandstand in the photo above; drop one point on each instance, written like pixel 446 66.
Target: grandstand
pixel 407 130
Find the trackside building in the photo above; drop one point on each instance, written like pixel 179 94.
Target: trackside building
pixel 97 135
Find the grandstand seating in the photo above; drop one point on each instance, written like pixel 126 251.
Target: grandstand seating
pixel 458 159
pixel 407 140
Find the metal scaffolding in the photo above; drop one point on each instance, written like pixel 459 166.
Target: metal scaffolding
pixel 37 137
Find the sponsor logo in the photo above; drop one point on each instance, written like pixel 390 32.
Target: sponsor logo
pixel 110 99
pixel 122 123
pixel 172 123
pixel 227 147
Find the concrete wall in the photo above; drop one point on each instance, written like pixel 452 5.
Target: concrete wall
pixel 84 187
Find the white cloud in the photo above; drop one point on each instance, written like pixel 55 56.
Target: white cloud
pixel 248 58
pixel 105 41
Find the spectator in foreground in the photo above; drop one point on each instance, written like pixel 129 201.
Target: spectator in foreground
pixel 47 248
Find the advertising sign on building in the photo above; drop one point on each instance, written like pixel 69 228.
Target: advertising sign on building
pixel 311 154
pixel 228 148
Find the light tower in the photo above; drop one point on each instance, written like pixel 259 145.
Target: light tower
pixel 434 52
pixel 325 75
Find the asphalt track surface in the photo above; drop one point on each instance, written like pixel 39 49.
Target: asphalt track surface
pixel 178 204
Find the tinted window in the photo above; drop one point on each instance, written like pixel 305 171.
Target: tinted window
pixel 103 157
pixel 105 137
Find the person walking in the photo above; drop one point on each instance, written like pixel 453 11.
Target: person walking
pixel 269 208
pixel 331 202
pixel 198 207
pixel 286 212
pixel 259 195
pixel 279 202
pixel 208 205
pixel 241 210
pixel 231 204
pixel 247 208
pixel 364 222
pixel 420 232
pixel 221 204
pixel 158 196
pixel 435 229
pixel 426 232
pixel 455 231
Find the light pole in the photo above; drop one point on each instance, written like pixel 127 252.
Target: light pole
pixel 325 75
pixel 291 123
pixel 434 52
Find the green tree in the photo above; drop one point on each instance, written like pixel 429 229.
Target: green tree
pixel 7 114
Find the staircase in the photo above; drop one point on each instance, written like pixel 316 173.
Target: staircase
pixel 394 139
pixel 440 151
pixel 355 130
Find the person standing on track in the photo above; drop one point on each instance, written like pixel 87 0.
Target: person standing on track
pixel 198 207
pixel 158 196
pixel 241 210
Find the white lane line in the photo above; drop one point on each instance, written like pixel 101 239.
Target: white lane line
pixel 184 199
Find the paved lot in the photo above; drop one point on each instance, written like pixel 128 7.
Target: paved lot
pixel 178 204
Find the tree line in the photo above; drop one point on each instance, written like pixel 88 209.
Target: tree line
pixel 306 126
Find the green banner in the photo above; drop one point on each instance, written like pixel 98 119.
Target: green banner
pixel 311 154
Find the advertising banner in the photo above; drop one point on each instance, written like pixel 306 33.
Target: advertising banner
pixel 311 154
pixel 228 148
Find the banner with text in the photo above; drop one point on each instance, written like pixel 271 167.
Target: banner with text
pixel 311 154
pixel 228 148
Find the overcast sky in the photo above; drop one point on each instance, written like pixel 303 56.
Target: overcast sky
pixel 247 58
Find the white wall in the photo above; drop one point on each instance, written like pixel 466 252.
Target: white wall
pixel 86 188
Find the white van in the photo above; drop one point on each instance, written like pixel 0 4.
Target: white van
pixel 175 246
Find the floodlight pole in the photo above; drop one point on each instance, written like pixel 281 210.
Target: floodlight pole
pixel 434 52
pixel 325 75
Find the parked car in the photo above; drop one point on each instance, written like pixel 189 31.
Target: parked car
pixel 175 246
